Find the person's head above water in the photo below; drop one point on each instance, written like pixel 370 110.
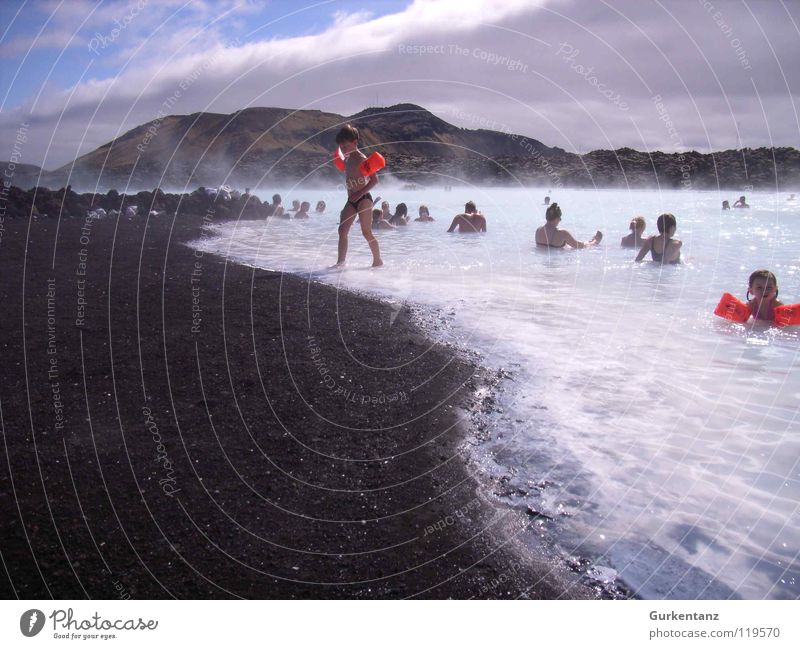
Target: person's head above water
pixel 637 224
pixel 470 208
pixel 347 137
pixel 401 209
pixel 762 283
pixel 423 210
pixel 320 206
pixel 305 206
pixel 553 212
pixel 296 204
pixel 276 199
pixel 376 215
pixel 667 224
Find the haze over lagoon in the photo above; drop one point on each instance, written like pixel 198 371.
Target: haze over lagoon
pixel 661 440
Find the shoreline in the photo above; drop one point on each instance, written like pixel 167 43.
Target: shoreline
pixel 225 463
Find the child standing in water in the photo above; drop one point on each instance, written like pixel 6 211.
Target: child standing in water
pixel 764 287
pixel 359 200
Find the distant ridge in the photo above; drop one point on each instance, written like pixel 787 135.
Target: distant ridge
pixel 263 147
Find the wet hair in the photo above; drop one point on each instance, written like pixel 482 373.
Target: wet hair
pixel 295 203
pixel 349 133
pixel 665 222
pixel 553 212
pixel 638 223
pixel 320 206
pixel 376 215
pixel 424 208
pixel 762 274
pixel 305 206
pixel 276 198
pixel 725 205
pixel 400 212
pixel 470 207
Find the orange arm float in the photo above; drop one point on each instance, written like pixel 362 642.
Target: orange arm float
pixel 732 308
pixel 788 314
pixel 372 165
pixel 338 159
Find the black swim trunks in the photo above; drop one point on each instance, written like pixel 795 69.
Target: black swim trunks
pixel 356 204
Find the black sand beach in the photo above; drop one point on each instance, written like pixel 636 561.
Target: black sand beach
pixel 178 426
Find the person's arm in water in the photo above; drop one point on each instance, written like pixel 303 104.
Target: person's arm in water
pixel 456 220
pixel 643 250
pixel 571 241
pixel 483 222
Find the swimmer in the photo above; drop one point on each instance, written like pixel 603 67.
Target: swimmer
pixel 726 205
pixel 547 200
pixel 380 223
pixel 424 214
pixel 295 206
pixel 302 213
pixel 320 207
pixel 275 208
pixel 359 200
pixel 670 249
pixel 549 236
pixel 400 216
pixel 764 287
pixel 471 220
pixel 634 239
pixel 740 203
pixel 791 198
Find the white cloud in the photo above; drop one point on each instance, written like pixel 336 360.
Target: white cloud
pixel 635 51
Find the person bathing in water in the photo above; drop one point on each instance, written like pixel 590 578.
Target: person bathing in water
pixel 663 248
pixel 741 203
pixel 549 236
pixel 764 286
pixel 470 221
pixel 634 239
pixel 424 214
pixel 400 216
pixel 379 222
pixel 359 200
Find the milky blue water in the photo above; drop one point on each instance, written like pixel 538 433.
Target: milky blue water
pixel 664 441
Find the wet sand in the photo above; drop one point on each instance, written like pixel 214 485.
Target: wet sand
pixel 175 425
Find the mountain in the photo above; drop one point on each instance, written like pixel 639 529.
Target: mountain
pixel 265 147
pixel 21 175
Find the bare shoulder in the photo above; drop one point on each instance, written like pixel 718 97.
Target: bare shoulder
pixel 355 159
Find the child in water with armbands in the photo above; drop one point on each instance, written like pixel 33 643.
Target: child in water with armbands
pixel 764 286
pixel 763 306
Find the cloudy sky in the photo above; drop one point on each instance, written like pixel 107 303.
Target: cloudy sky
pixel 575 74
